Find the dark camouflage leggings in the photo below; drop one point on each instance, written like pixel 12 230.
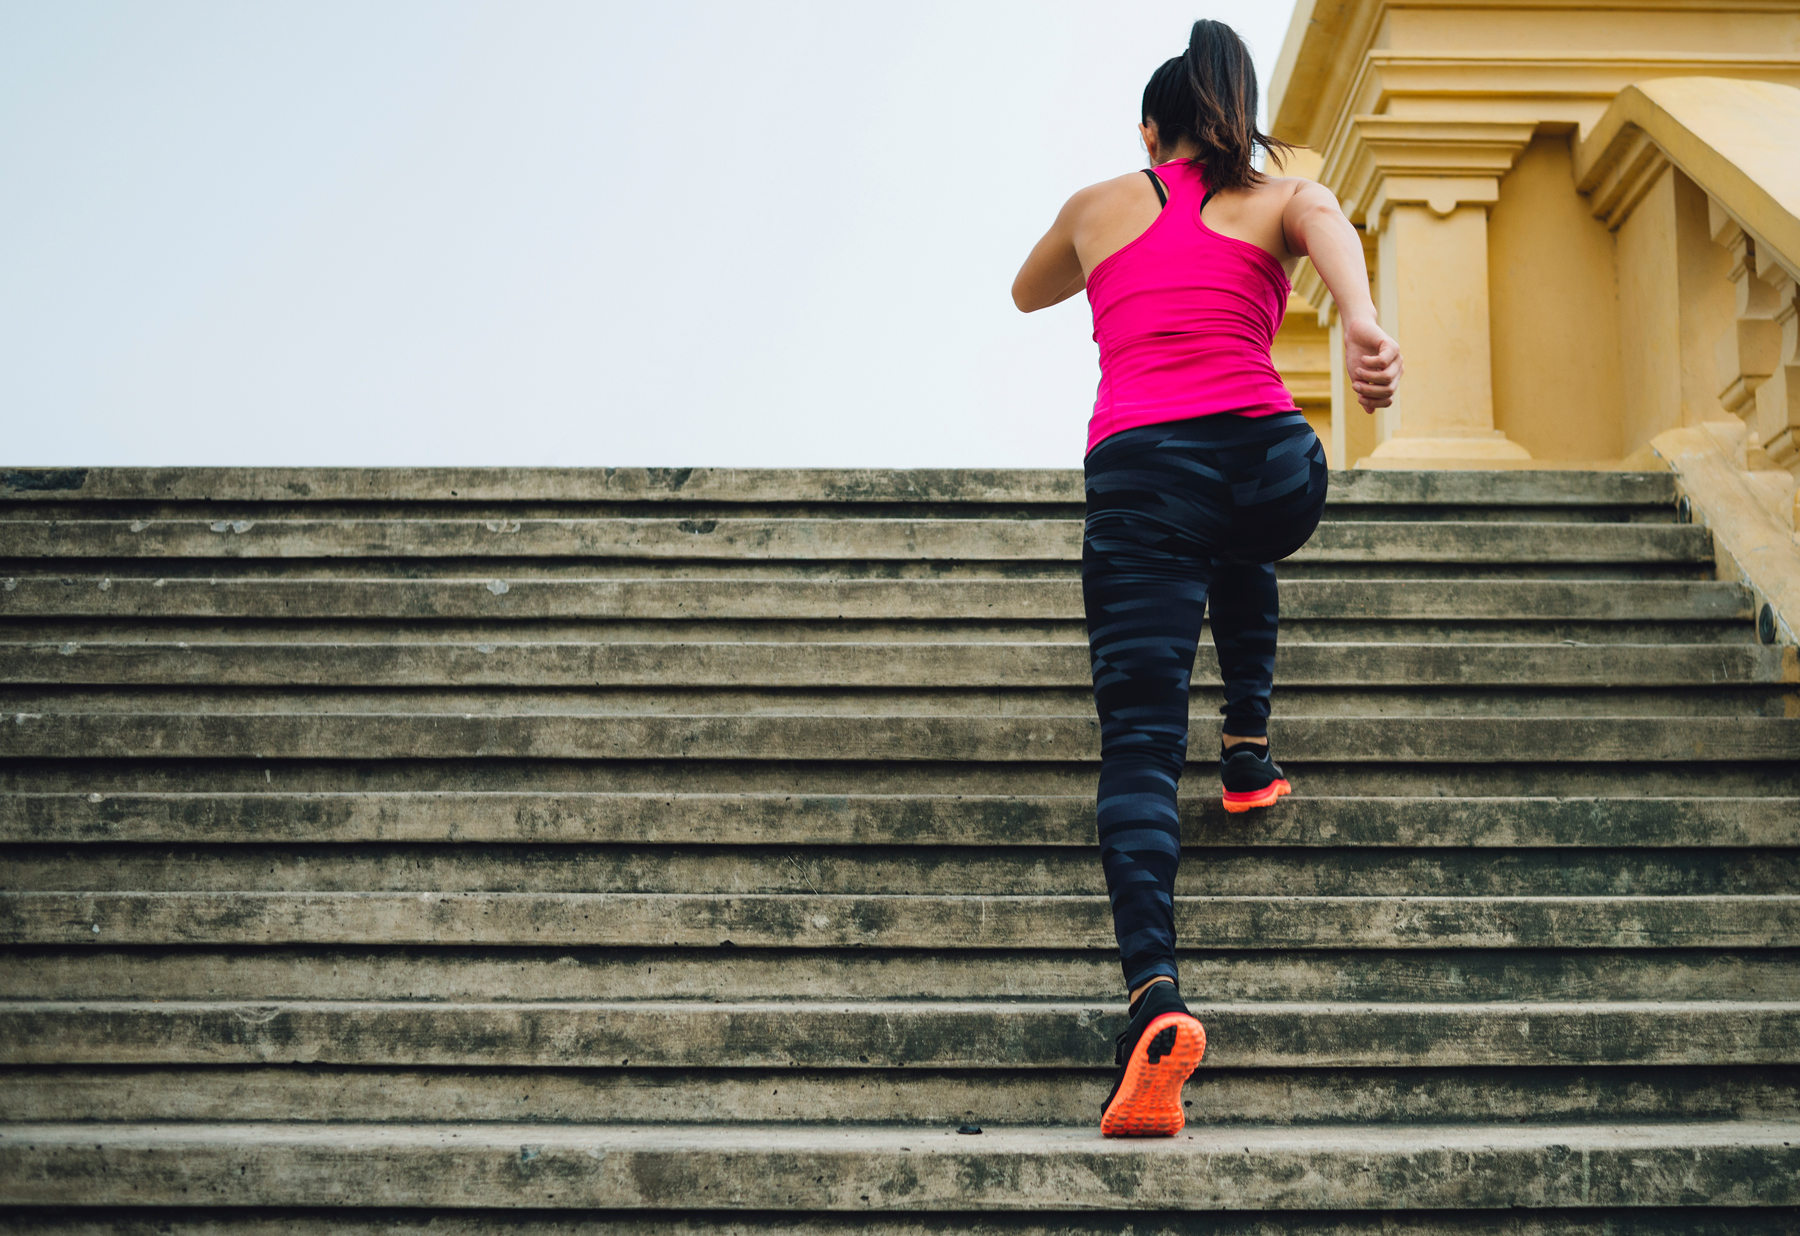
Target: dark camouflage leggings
pixel 1175 512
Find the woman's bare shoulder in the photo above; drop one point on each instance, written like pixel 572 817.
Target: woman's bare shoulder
pixel 1268 199
pixel 1281 188
pixel 1107 192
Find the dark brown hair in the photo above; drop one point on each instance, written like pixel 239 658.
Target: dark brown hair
pixel 1208 96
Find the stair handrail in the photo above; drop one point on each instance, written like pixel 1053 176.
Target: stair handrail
pixel 1735 139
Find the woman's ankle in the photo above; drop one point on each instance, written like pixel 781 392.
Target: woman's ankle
pixel 1138 994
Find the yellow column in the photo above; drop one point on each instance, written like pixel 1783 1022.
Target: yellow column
pixel 1433 255
pixel 1352 429
pixel 1423 188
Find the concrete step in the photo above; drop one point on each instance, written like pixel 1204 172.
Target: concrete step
pixel 1776 1221
pixel 710 798
pixel 1220 1097
pixel 801 819
pixel 845 1034
pixel 1744 1163
pixel 214 632
pixel 925 921
pixel 313 486
pixel 825 539
pixel 701 866
pixel 696 574
pixel 1369 512
pixel 796 570
pixel 377 735
pixel 736 975
pixel 835 600
pixel 802 507
pixel 1298 704
pixel 523 666
pixel 827 778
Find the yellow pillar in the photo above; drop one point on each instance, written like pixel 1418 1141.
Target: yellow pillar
pixel 1423 189
pixel 1434 300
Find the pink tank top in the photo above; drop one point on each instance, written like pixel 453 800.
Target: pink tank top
pixel 1184 318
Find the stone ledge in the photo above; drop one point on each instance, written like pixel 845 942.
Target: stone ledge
pixel 550 818
pixel 685 670
pixel 342 599
pixel 898 1034
pixel 908 921
pixel 819 539
pixel 314 1221
pixel 870 1169
pixel 1748 540
pixel 699 485
pixel 302 735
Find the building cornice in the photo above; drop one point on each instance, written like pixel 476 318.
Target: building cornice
pixel 1387 76
pixel 1318 61
pixel 1329 56
pixel 1567 89
pixel 1384 160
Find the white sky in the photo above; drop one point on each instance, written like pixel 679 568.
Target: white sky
pixel 659 232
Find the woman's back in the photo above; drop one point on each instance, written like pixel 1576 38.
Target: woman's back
pixel 1184 316
pixel 1112 214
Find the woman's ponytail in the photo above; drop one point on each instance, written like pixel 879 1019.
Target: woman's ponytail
pixel 1208 96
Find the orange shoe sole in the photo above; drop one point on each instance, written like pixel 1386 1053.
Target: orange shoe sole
pixel 1149 1100
pixel 1257 798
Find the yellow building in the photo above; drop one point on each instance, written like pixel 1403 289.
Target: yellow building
pixel 1583 225
pixel 1578 217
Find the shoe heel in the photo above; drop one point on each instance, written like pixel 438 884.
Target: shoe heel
pixel 1149 1100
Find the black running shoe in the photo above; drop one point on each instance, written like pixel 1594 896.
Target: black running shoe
pixel 1160 1048
pixel 1252 777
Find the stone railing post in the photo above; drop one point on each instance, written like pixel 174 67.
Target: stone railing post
pixel 1777 416
pixel 1749 350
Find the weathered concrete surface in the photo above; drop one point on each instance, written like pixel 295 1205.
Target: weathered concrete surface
pixel 1302 703
pixel 882 819
pixel 876 870
pixel 945 1098
pixel 738 975
pixel 1637 1222
pixel 932 921
pixel 526 665
pixel 771 1167
pixel 519 598
pixel 827 539
pixel 287 485
pixel 1055 485
pixel 997 739
pixel 824 778
pixel 212 632
pixel 988 1034
pixel 544 939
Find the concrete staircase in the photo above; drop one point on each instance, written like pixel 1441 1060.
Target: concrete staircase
pixel 697 850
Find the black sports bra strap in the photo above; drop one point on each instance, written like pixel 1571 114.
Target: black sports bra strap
pixel 1162 194
pixel 1210 194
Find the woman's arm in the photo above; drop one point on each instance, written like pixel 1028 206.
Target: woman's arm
pixel 1053 273
pixel 1314 226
